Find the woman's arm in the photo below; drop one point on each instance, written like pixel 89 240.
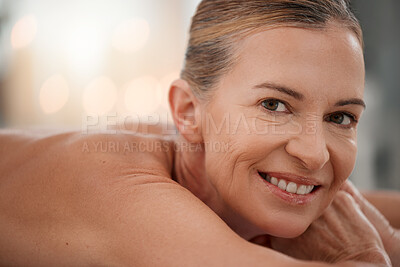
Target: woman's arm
pixel 162 224
pixel 388 203
pixel 159 223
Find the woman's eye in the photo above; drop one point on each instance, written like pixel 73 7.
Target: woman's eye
pixel 341 118
pixel 274 105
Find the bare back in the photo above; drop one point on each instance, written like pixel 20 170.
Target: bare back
pixel 109 200
pixel 57 192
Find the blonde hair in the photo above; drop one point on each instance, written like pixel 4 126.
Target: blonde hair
pixel 218 24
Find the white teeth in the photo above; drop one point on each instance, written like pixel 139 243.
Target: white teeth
pixel 274 181
pixel 291 187
pixel 309 188
pixel 282 184
pixel 301 190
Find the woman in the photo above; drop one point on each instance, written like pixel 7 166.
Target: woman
pixel 266 109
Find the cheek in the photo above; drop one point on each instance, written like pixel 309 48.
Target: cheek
pixel 243 146
pixel 343 159
pixel 246 140
pixel 229 172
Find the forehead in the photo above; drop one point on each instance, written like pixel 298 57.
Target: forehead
pixel 313 60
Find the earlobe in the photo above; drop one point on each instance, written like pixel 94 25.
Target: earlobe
pixel 185 111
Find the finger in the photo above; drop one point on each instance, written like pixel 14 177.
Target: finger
pixel 345 202
pixel 365 206
pixel 372 214
pixel 349 187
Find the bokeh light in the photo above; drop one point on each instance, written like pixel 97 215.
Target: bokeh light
pixel 140 95
pixel 99 96
pixel 23 32
pixel 131 35
pixel 54 94
pixel 85 46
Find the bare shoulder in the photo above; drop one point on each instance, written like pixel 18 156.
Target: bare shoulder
pixel 56 188
pixel 85 152
pixel 83 163
pixel 103 200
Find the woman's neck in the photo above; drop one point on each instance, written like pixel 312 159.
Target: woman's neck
pixel 190 172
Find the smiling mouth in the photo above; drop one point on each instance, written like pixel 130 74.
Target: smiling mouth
pixel 289 186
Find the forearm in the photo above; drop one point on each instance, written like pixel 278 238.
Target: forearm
pixel 387 202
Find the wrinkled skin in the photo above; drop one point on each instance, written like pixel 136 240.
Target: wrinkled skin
pixel 312 63
pixel 298 137
pixel 349 229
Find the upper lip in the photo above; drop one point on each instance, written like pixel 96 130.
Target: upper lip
pixel 294 178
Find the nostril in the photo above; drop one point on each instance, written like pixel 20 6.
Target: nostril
pixel 311 155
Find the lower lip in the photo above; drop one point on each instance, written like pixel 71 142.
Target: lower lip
pixel 291 198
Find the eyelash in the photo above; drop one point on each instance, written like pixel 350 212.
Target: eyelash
pixel 353 118
pixel 287 106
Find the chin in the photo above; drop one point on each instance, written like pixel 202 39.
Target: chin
pixel 291 233
pixel 288 231
pixel 289 228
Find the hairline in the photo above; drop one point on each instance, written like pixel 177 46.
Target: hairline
pixel 234 43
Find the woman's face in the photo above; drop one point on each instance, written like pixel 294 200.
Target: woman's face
pixel 287 113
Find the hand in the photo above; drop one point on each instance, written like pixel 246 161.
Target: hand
pixel 341 233
pixel 390 237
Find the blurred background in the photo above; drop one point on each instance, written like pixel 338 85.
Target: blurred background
pixel 61 61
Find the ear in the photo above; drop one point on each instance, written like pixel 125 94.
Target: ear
pixel 186 112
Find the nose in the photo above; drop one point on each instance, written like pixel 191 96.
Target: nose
pixel 309 148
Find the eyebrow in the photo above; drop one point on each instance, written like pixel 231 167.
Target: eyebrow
pixel 299 96
pixel 352 101
pixel 280 88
